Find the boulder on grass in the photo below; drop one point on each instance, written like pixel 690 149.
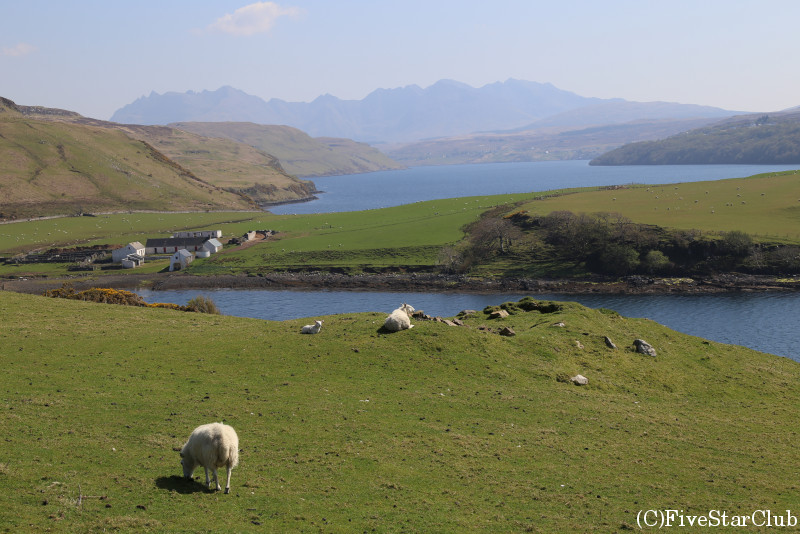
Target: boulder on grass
pixel 579 380
pixel 643 347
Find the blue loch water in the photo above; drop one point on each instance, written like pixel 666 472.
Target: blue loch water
pixel 766 322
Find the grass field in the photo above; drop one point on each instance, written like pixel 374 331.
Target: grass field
pixel 435 429
pixel 766 206
pixel 120 228
pixel 410 235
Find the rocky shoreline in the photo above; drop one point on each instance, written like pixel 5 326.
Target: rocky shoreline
pixel 410 282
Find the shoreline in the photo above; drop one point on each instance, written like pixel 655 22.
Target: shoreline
pixel 634 285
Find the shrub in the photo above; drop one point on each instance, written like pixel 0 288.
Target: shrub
pixel 618 259
pixel 655 261
pixel 202 304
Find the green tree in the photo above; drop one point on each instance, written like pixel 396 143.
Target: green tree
pixel 655 261
pixel 736 243
pixel 619 259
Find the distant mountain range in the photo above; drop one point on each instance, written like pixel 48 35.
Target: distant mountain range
pixel 445 109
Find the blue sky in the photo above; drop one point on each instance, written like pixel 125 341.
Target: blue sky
pixel 95 56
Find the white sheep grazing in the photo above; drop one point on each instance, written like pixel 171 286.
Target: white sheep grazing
pixel 312 328
pixel 399 319
pixel 213 446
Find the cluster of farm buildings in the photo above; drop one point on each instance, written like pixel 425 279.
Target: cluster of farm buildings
pixel 183 247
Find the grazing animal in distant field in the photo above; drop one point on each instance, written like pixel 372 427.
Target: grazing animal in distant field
pixel 399 319
pixel 213 446
pixel 312 328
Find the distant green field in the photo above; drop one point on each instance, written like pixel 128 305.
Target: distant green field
pixel 766 206
pixel 410 235
pixel 120 228
pixel 434 429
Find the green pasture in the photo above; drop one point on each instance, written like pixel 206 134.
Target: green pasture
pixel 434 429
pixel 120 228
pixel 409 235
pixel 767 206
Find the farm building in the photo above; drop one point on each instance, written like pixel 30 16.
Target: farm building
pixel 212 245
pixel 132 260
pixel 208 234
pixel 134 248
pixel 180 260
pixel 174 244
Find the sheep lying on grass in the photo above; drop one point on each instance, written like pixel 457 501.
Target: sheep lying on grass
pixel 399 319
pixel 213 446
pixel 312 328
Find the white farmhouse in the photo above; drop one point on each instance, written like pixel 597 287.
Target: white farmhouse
pixel 180 260
pixel 131 255
pixel 173 244
pixel 212 245
pixel 202 233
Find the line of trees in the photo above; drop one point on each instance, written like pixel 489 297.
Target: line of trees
pixel 611 244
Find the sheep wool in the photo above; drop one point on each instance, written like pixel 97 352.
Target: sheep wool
pixel 213 446
pixel 399 319
pixel 312 328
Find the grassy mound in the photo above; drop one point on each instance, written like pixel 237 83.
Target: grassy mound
pixel 438 428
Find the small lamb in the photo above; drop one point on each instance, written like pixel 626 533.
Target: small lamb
pixel 312 328
pixel 399 319
pixel 213 446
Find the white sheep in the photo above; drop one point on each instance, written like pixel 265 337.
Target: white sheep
pixel 213 446
pixel 312 328
pixel 399 319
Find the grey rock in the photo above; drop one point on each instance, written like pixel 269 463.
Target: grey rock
pixel 643 347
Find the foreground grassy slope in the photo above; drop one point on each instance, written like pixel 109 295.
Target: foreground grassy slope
pixel 54 167
pixel 435 429
pixel 766 205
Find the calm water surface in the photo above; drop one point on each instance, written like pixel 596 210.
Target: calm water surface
pixel 355 192
pixel 763 321
pixel 767 322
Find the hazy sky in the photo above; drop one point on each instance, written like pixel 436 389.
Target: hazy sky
pixel 95 56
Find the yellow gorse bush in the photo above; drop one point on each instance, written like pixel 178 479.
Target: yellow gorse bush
pixel 106 295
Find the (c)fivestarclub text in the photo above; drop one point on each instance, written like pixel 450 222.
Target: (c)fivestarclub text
pixel 674 518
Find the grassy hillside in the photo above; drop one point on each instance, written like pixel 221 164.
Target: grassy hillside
pixel 541 143
pixel 299 153
pixel 435 429
pixel 224 163
pixel 55 167
pixel 755 139
pixel 766 206
pixel 227 164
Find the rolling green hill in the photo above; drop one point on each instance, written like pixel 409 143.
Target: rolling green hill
pixel 299 153
pixel 434 429
pixel 753 139
pixel 58 167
